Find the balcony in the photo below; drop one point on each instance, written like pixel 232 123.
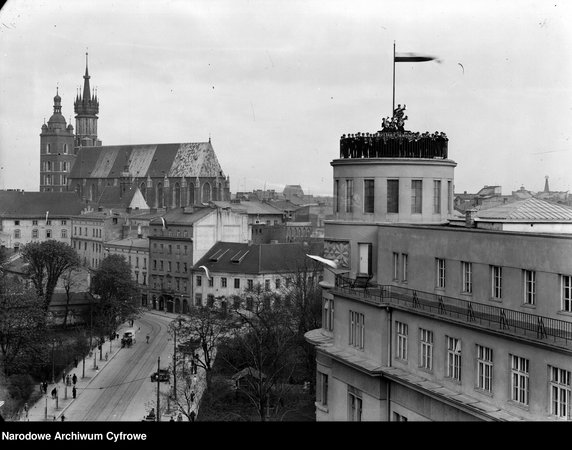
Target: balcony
pixel 394 144
pixel 539 329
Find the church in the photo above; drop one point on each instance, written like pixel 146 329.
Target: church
pixel 159 176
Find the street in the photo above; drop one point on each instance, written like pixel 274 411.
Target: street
pixel 123 391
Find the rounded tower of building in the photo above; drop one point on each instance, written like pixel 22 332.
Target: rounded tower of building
pixel 56 151
pixel 86 107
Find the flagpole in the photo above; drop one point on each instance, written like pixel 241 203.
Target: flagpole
pixel 393 105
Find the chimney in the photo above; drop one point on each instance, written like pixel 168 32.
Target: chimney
pixel 470 218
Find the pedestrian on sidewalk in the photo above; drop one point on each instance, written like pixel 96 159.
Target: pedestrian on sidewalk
pixel 74 379
pixel 26 409
pixel 68 380
pixel 74 391
pixel 45 386
pixel 63 417
pixel 54 392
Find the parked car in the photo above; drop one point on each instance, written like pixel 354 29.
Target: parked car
pixel 162 374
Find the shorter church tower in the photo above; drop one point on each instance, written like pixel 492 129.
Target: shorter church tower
pixel 57 153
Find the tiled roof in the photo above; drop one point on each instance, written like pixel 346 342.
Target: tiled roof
pixel 531 209
pixel 250 207
pixel 232 257
pixel 36 204
pixel 178 216
pixel 194 159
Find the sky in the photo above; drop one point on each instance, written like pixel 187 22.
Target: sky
pixel 274 84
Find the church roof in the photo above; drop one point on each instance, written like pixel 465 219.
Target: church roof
pixel 532 209
pixel 250 207
pixel 22 204
pixel 193 159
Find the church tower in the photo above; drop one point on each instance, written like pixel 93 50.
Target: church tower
pixel 56 151
pixel 86 107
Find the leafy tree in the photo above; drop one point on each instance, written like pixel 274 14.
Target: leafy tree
pixel 113 284
pixel 47 261
pixel 22 327
pixel 69 282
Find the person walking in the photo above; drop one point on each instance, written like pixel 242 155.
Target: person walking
pixel 68 380
pixel 74 392
pixel 26 409
pixel 74 379
pixel 147 339
pixel 54 392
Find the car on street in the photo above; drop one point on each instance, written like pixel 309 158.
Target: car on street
pixel 162 375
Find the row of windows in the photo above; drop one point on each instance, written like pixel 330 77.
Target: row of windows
pixel 529 282
pixel 519 375
pixel 55 166
pixel 392 196
pixel 159 264
pixel 178 284
pixel 36 234
pixel 170 233
pixel 249 282
pixel 52 148
pixel 53 179
pixel 95 232
pixel 35 222
pixel 168 248
pixel 95 247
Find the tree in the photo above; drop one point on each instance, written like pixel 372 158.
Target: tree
pixel 113 284
pixel 22 327
pixel 47 261
pixel 263 347
pixel 200 333
pixel 69 282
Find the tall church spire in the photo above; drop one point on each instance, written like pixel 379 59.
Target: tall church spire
pixel 86 107
pixel 86 77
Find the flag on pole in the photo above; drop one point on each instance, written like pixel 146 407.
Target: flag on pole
pixel 206 271
pixel 414 57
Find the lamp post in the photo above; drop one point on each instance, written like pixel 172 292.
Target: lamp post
pixel 53 362
pixel 158 388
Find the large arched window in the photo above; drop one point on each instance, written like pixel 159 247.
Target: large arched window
pixel 177 195
pixel 206 197
pixel 93 192
pixel 159 195
pixel 191 196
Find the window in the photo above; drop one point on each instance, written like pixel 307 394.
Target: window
pixel 210 300
pixel 64 222
pixel 485 368
pixel 416 196
pixel 395 266
pixel 368 196
pixel 277 281
pixel 211 282
pixel 392 196
pixel 467 275
pixel 357 330
pixel 48 234
pixel 237 283
pixel 560 392
pixel 453 358
pixel 34 222
pixel 223 282
pixel 267 285
pixel 450 197
pixel 322 389
pixel 16 234
pixel 249 303
pixel 199 280
pixel 401 332
pixel 354 404
pixel 154 264
pixel 365 257
pixel 48 148
pixel 440 263
pixel 35 234
pixel 16 222
pixel 566 281
pixel 425 349
pixel 349 195
pixel 64 233
pixel 185 267
pixel 161 265
pixel 496 282
pixel 328 312
pixel 65 151
pixel 337 196
pixel 249 284
pixel 519 379
pixel 436 196
pixel 529 287
pixel 198 299
pixel 404 267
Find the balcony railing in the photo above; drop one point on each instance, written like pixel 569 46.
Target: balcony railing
pixel 399 144
pixel 508 321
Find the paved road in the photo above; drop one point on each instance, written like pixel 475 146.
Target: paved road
pixel 124 391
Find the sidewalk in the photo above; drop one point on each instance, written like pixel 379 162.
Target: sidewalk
pixel 49 409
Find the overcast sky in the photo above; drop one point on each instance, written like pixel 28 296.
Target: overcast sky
pixel 276 83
